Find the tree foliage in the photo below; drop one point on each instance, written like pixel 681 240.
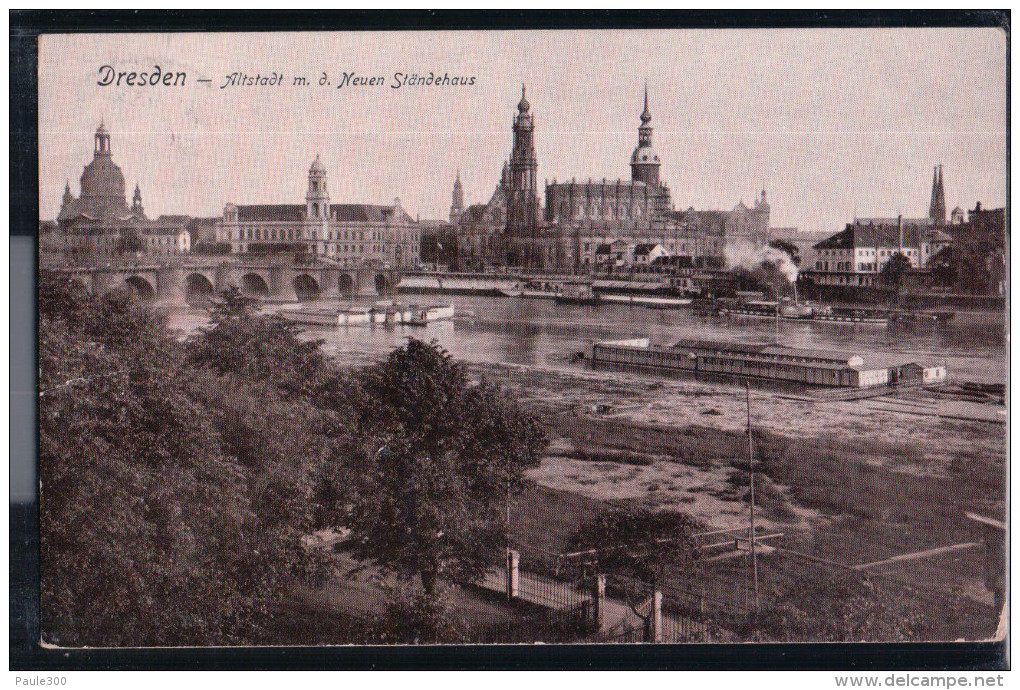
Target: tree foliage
pixel 894 270
pixel 832 607
pixel 262 349
pixel 152 531
pixel 130 242
pixel 179 478
pixel 651 550
pixel 651 546
pixel 427 499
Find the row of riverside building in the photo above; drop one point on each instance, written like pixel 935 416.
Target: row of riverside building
pixel 971 248
pixel 584 227
pixel 99 225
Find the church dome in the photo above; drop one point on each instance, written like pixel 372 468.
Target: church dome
pixel 102 182
pixel 644 155
pixel 317 166
pixel 102 179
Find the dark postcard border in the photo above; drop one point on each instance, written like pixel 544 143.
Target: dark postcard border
pixel 27 654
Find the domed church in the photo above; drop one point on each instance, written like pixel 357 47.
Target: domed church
pixel 94 226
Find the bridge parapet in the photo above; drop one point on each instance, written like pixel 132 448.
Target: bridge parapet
pixel 170 282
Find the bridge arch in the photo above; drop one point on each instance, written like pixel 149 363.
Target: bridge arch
pixel 306 288
pixel 254 284
pixel 198 287
pixel 346 284
pixel 382 283
pixel 141 287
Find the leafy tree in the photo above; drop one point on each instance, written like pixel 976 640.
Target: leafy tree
pixel 427 499
pixel 151 534
pixel 418 619
pixel 649 549
pixel 894 270
pixel 652 546
pixel 263 349
pixel 945 266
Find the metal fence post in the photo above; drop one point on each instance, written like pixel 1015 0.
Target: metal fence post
pixel 513 563
pixel 599 601
pixel 657 616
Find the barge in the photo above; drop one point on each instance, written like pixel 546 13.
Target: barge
pixel 457 284
pixel 648 301
pixel 851 317
pixel 383 313
pixel 766 362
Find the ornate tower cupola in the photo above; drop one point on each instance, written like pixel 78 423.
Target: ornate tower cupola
pixel 317 198
pixel 457 204
pixel 644 163
pixel 136 201
pixel 102 141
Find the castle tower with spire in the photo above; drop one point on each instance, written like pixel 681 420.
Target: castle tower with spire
pixel 644 163
pixel 522 191
pixel 937 209
pixel 457 203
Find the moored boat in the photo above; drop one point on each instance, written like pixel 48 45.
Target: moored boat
pixel 385 312
pixel 577 293
pixel 790 309
pixel 852 316
pixel 752 308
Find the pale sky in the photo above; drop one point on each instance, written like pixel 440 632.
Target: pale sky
pixel 832 123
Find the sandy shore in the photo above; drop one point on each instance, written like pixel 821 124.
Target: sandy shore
pixel 934 429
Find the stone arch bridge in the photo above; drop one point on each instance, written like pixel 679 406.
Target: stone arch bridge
pixel 287 282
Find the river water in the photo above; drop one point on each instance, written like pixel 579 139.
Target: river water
pixel 541 333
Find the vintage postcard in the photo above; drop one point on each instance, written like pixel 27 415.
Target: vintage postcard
pixel 463 337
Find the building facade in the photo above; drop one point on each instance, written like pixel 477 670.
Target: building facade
pixel 856 256
pixel 350 235
pixel 578 220
pixel 522 243
pixel 480 228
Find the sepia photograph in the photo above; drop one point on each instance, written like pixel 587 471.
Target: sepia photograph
pixel 620 336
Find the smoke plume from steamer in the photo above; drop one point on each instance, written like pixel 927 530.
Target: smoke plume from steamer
pixel 744 255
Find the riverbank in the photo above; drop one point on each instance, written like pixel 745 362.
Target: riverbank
pixel 845 481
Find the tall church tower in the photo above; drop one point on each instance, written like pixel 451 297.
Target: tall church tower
pixel 644 163
pixel 522 189
pixel 317 198
pixel 457 204
pixel 937 209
